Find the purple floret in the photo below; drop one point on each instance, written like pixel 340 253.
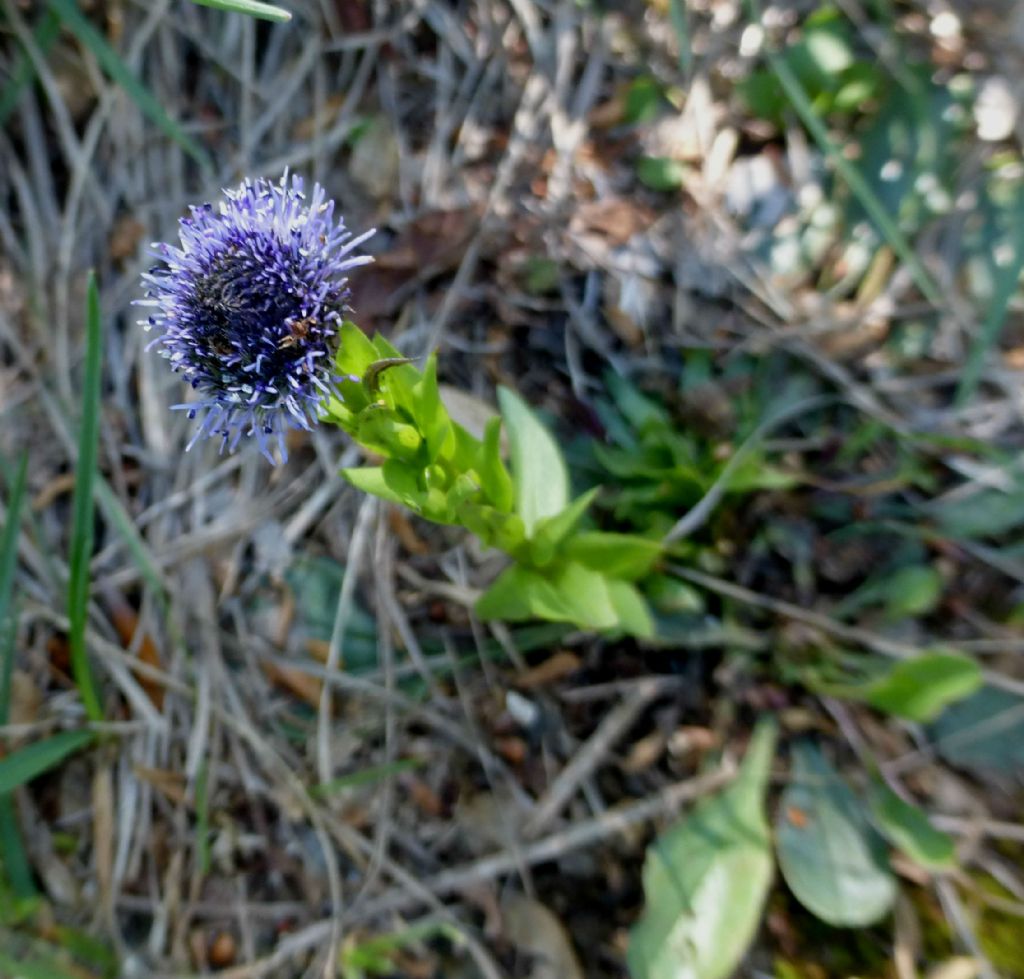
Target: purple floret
pixel 250 306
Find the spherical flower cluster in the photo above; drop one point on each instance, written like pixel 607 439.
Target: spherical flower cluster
pixel 250 305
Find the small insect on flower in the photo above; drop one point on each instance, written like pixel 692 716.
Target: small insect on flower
pixel 249 308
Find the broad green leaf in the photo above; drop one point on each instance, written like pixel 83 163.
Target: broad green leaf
pixel 908 828
pixel 566 593
pixel 26 763
pixel 831 858
pixel 918 689
pixel 264 11
pixel 316 583
pixel 706 879
pixel 616 555
pixel 989 513
pixel 539 475
pixel 985 731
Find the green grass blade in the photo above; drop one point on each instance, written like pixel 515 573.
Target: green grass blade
pixel 854 178
pixel 681 26
pixel 12 850
pixel 253 8
pixel 110 61
pixel 27 763
pixel 1007 276
pixel 83 511
pixel 365 776
pixel 8 562
pixel 24 71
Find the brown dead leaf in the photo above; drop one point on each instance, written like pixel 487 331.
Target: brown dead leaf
pixel 556 667
pixel 26 698
pixel 56 487
pixel 512 749
pixel 303 685
pixel 125 237
pixel 691 739
pixel 615 218
pixel 424 796
pixel 126 622
pixel 401 526
pixel 645 752
pixel 170 784
pixel 534 930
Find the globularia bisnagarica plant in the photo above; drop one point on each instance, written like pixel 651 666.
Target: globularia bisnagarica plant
pixel 252 311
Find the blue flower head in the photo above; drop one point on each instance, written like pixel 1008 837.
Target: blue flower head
pixel 250 306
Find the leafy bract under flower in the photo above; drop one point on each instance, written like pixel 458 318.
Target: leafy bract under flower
pixel 250 306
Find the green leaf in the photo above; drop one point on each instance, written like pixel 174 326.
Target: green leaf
pixel 912 591
pixel 706 879
pixel 551 531
pixel 79 580
pixel 264 11
pixel 827 48
pixel 431 416
pixel 833 861
pixel 645 97
pixel 539 475
pixel 26 763
pixel 616 555
pixel 371 479
pixel 565 593
pixel 918 689
pixel 110 61
pixel 989 513
pixel 494 478
pixel 631 609
pixel 985 732
pixel 660 172
pixel 908 828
